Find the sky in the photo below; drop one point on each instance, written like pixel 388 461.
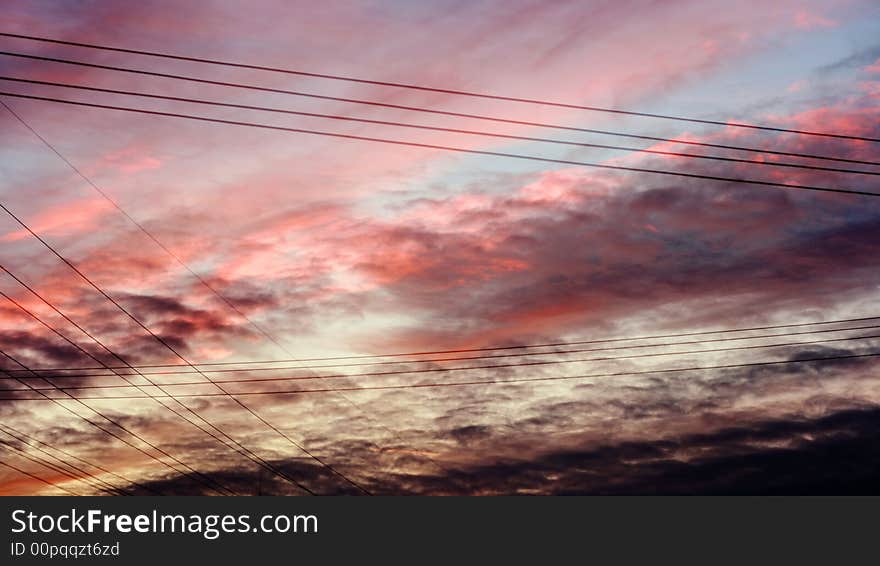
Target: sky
pixel 271 245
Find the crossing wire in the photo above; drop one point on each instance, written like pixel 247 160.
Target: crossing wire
pixel 89 421
pixel 781 185
pixel 240 449
pixel 174 351
pixel 436 89
pixel 30 475
pixel 33 442
pixel 445 384
pixel 494 119
pixel 47 376
pixel 440 129
pixel 198 277
pixel 191 472
pixel 461 368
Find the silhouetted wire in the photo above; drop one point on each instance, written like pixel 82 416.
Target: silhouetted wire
pixel 213 290
pixel 92 423
pixel 517 347
pixel 435 111
pixel 38 478
pixel 32 441
pixel 240 449
pixel 223 299
pixel 781 185
pixel 445 384
pixel 48 464
pixel 434 360
pixel 65 467
pixel 438 89
pixel 460 368
pixel 191 472
pixel 174 351
pixel 441 129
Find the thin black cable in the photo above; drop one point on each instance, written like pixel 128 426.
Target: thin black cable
pixel 22 453
pixel 61 466
pixel 216 293
pixel 439 90
pixel 89 421
pixel 240 449
pixel 220 488
pixel 479 382
pixel 452 149
pixel 518 347
pixel 441 129
pixel 460 368
pixel 138 225
pixel 34 443
pixel 194 474
pixel 66 468
pixel 168 346
pixel 472 358
pixel 30 475
pixel 435 111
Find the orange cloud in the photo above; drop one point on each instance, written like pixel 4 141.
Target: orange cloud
pixel 809 20
pixel 64 220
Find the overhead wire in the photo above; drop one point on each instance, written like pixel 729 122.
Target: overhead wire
pixel 425 88
pixel 445 384
pixel 434 111
pixel 198 277
pixel 519 346
pixel 237 447
pixel 37 444
pixel 33 476
pixel 606 166
pixel 398 124
pixel 458 368
pixel 91 422
pixel 174 351
pixel 190 471
pixel 431 360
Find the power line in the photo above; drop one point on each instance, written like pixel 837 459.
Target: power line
pixel 137 224
pixel 30 475
pixel 433 111
pixel 44 463
pixel 478 382
pixel 87 420
pixel 62 467
pixel 472 358
pixel 210 481
pixel 174 351
pixel 239 448
pixel 525 346
pixel 30 440
pixel 440 90
pixel 86 480
pixel 462 368
pixel 451 148
pixel 191 472
pixel 207 285
pixel 439 129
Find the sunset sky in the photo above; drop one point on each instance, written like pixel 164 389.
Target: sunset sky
pixel 337 247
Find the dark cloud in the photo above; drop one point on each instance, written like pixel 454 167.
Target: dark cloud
pixel 859 59
pixel 836 454
pixel 467 434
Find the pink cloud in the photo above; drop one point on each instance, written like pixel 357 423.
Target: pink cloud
pixel 68 219
pixel 807 20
